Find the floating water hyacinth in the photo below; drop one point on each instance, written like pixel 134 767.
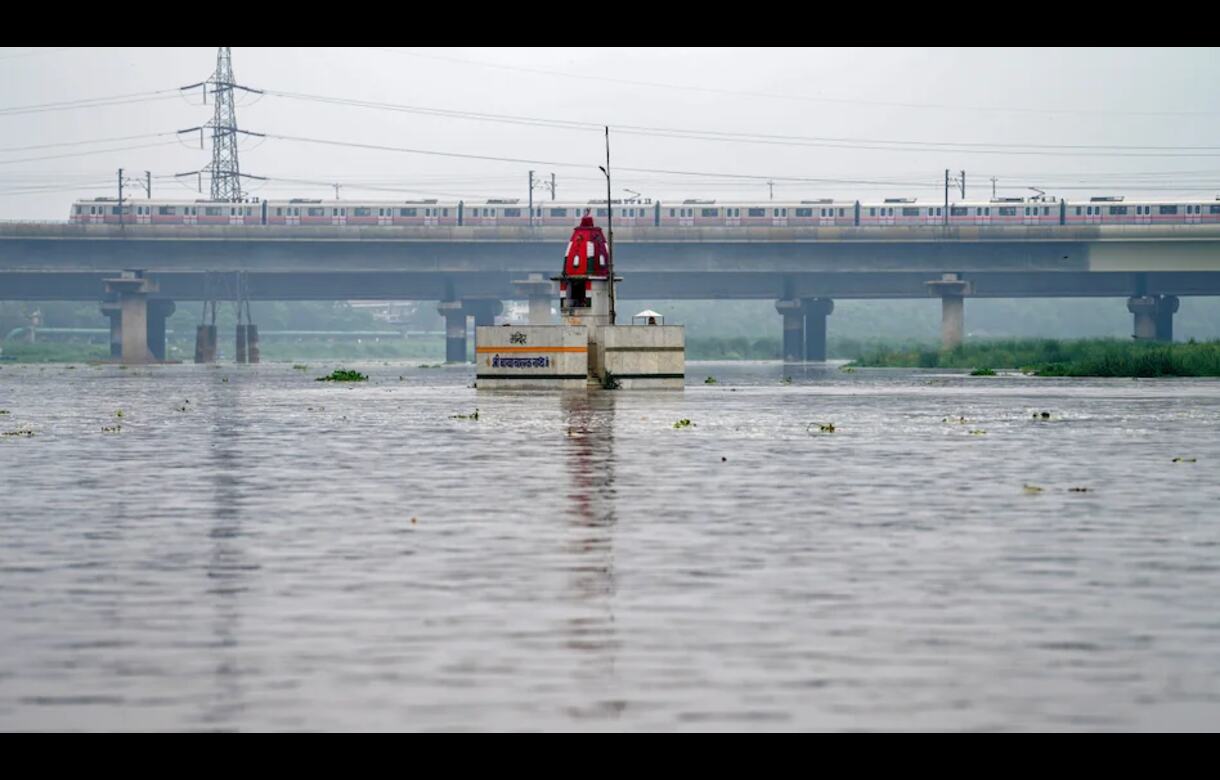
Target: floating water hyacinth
pixel 344 375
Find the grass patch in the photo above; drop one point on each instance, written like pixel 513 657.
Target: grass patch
pixel 1050 357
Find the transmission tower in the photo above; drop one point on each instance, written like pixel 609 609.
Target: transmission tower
pixel 224 170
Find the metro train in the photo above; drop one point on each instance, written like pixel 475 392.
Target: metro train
pixel 905 212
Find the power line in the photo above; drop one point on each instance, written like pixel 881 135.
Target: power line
pixel 873 144
pixel 804 98
pixel 528 161
pixel 86 154
pixel 85 143
pixel 111 100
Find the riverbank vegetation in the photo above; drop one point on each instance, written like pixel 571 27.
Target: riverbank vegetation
pixel 1050 357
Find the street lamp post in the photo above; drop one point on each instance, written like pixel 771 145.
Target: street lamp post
pixel 609 225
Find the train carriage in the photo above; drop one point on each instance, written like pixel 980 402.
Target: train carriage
pixel 166 212
pixel 904 212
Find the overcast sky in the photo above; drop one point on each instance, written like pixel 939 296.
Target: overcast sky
pixel 864 119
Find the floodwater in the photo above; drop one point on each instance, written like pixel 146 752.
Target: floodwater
pixel 253 549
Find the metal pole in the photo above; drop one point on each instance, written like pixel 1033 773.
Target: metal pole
pixel 610 225
pixel 531 198
pixel 148 183
pixel 120 198
pixel 946 197
pixel 963 185
pixel 552 186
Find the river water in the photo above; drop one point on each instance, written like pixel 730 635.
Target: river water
pixel 253 549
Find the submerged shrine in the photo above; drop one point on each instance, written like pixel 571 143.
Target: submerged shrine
pixel 588 349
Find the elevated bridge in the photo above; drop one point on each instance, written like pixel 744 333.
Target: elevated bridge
pixel 471 269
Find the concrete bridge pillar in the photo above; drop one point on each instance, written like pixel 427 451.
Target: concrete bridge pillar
pixel 1164 317
pixel 455 330
pixel 540 292
pixel 952 290
pixel 132 291
pixel 793 312
pixel 1153 316
pixel 239 347
pixel 485 313
pixel 253 351
pixel 816 312
pixel 158 312
pixel 114 313
pixel 205 344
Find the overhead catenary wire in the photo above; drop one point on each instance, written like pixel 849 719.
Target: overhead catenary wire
pixel 834 142
pixel 807 98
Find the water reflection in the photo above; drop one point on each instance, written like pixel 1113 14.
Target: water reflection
pixel 228 566
pixel 590 498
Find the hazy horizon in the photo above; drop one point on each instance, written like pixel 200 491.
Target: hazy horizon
pixel 849 123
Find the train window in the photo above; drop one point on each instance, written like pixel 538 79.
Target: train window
pixel 167 211
pixel 840 212
pixel 512 212
pixel 211 211
pixel 710 212
pixel 559 212
pixel 756 212
pixel 806 212
pixel 279 212
pixel 318 212
pixel 1046 211
pixel 362 212
pixel 601 212
pixel 1214 209
pixel 406 212
pixel 1169 209
pixel 1120 211
pixel 1078 211
pixel 909 212
pixel 1007 211
pixel 671 213
pixel 80 209
pixel 958 211
pixel 445 212
pixel 872 212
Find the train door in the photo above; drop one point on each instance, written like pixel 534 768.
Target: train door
pixel 1031 215
pixel 383 216
pixel 887 215
pixel 430 216
pixel 732 217
pixel 338 216
pixel 293 215
pixel 190 215
pixel 686 217
pixel 779 217
pixel 1193 213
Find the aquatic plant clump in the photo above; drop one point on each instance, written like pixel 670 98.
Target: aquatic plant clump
pixel 344 375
